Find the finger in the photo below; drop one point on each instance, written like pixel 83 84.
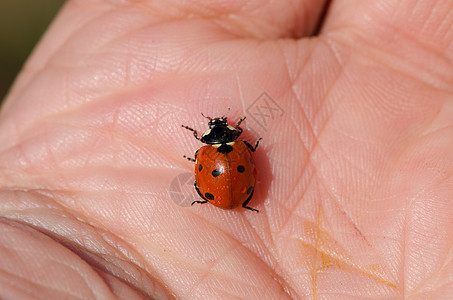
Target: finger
pixel 258 18
pixel 426 21
pixel 405 35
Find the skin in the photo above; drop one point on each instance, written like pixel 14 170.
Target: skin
pixel 355 185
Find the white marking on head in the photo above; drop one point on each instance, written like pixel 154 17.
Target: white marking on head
pixel 231 128
pixel 208 131
pixel 230 143
pixel 216 145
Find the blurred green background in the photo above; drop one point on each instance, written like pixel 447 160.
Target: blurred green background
pixel 22 23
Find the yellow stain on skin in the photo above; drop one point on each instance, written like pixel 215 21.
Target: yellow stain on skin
pixel 327 253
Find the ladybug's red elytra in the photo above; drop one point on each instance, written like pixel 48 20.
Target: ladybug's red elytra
pixel 225 174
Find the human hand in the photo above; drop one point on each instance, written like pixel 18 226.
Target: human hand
pixel 354 189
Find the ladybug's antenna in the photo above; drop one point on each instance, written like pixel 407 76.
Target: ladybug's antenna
pixel 209 118
pixel 224 116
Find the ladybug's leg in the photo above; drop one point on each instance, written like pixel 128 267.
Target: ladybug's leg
pixel 239 123
pixel 201 195
pixel 244 205
pixel 195 134
pixel 253 149
pixel 192 159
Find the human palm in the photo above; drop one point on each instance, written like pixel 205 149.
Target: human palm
pixel 354 187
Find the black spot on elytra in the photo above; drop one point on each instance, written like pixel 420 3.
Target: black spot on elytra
pixel 209 196
pixel 224 148
pixel 200 167
pixel 216 172
pixel 241 169
pixel 250 190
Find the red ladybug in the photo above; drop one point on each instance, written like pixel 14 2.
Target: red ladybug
pixel 225 174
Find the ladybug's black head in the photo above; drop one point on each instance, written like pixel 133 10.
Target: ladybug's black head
pixel 220 132
pixel 217 122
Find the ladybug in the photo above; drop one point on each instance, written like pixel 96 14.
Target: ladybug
pixel 225 174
